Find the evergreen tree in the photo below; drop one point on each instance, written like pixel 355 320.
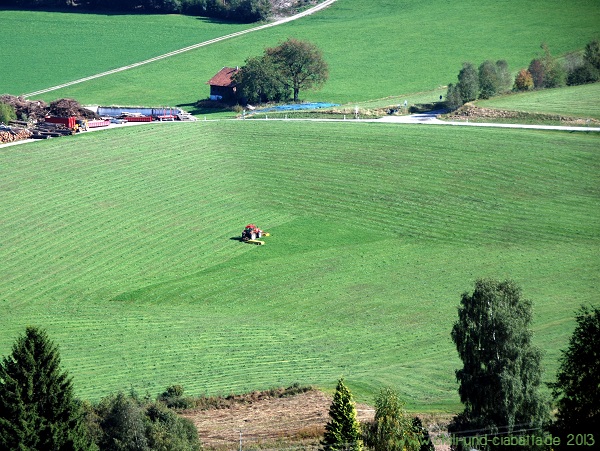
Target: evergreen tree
pixel 37 407
pixel 342 432
pixel 501 373
pixel 423 434
pixel 577 389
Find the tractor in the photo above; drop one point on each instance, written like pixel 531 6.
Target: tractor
pixel 251 232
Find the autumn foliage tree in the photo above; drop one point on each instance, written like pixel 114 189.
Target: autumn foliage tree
pixel 523 81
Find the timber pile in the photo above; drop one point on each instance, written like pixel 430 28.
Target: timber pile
pixel 11 134
pixel 45 130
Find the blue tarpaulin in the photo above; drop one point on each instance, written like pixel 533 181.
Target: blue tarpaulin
pixel 297 106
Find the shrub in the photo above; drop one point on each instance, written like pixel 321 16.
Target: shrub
pixel 173 398
pixel 7 113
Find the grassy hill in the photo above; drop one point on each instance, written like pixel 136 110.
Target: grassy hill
pixel 120 243
pixel 576 101
pixel 375 48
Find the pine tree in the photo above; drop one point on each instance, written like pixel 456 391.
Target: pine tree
pixel 501 373
pixel 342 432
pixel 577 388
pixel 37 407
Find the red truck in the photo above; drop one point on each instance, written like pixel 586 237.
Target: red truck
pixel 69 122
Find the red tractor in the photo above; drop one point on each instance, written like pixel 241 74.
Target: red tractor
pixel 251 232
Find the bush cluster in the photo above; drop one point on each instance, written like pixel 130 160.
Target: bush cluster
pixel 492 79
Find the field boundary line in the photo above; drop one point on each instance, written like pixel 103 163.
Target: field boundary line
pixel 308 12
pixel 418 119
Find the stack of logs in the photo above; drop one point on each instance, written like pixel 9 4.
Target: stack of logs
pixel 11 134
pixel 45 130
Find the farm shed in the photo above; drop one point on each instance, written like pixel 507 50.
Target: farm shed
pixel 222 86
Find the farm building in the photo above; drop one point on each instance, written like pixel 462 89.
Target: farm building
pixel 222 86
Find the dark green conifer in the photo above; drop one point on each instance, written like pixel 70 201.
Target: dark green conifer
pixel 37 407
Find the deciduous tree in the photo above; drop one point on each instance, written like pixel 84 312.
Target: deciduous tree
pixel 37 408
pixel 523 81
pixel 591 54
pixel 392 429
pixel 504 76
pixel 7 113
pixel 577 386
pixel 342 431
pixel 501 374
pixel 257 81
pixel 489 80
pixel 453 97
pixel 468 82
pixel 299 65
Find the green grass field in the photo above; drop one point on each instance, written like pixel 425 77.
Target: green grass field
pixel 576 101
pixel 120 244
pixel 56 48
pixel 375 49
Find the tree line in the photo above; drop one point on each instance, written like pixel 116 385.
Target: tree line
pixel 493 78
pixel 499 386
pixel 244 11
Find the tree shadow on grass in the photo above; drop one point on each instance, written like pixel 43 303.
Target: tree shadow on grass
pixel 205 107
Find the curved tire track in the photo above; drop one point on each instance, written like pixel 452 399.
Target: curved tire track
pixel 308 12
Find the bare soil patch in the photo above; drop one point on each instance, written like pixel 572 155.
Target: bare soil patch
pixel 273 420
pixel 269 422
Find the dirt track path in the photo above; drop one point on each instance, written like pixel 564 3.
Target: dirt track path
pixel 308 12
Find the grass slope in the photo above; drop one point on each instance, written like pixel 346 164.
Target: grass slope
pixel 375 49
pixel 576 101
pixel 57 47
pixel 124 252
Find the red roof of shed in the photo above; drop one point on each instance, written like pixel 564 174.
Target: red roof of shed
pixel 224 77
